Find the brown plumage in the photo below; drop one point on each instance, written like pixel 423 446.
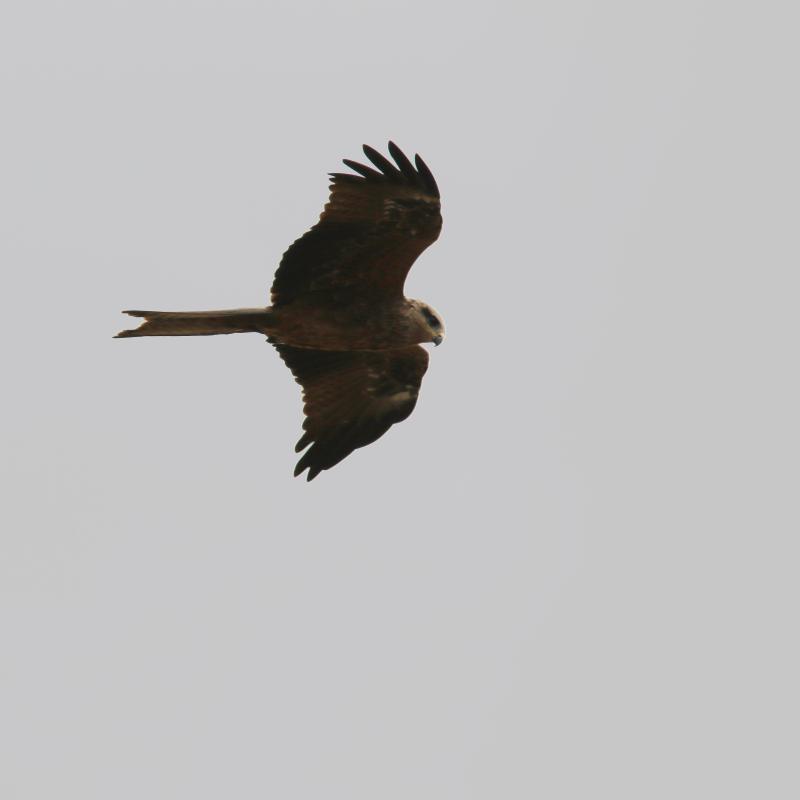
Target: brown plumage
pixel 339 318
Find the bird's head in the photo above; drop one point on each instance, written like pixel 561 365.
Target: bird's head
pixel 430 321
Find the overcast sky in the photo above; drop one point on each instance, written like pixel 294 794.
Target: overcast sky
pixel 572 573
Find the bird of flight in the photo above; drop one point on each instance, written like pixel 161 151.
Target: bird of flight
pixel 339 318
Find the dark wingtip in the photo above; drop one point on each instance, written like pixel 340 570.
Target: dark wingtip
pixel 427 175
pixel 303 442
pixel 361 169
pixel 404 170
pixel 406 167
pixel 301 467
pixel 380 161
pixel 302 464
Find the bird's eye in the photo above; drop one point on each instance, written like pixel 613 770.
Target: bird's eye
pixel 431 318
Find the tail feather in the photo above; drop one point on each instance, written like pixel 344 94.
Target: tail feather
pixel 198 323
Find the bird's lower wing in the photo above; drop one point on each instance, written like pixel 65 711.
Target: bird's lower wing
pixel 351 398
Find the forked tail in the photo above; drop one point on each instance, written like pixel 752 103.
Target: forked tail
pixel 199 323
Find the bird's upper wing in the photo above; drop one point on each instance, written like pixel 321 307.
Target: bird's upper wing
pixel 371 231
pixel 351 398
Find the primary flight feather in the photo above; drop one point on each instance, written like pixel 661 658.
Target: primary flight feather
pixel 339 318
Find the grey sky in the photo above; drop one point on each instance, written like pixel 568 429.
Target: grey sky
pixel 570 574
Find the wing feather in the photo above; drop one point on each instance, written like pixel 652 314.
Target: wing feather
pixel 381 162
pixel 364 171
pixel 351 398
pixel 374 226
pixel 406 167
pixel 427 176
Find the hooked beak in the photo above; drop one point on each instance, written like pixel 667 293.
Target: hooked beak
pixel 437 340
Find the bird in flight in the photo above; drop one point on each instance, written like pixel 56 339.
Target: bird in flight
pixel 338 316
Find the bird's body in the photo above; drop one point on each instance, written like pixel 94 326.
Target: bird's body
pixel 339 318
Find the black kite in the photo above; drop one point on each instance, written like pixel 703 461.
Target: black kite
pixel 339 318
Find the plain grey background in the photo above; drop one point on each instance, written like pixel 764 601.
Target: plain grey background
pixel 571 573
